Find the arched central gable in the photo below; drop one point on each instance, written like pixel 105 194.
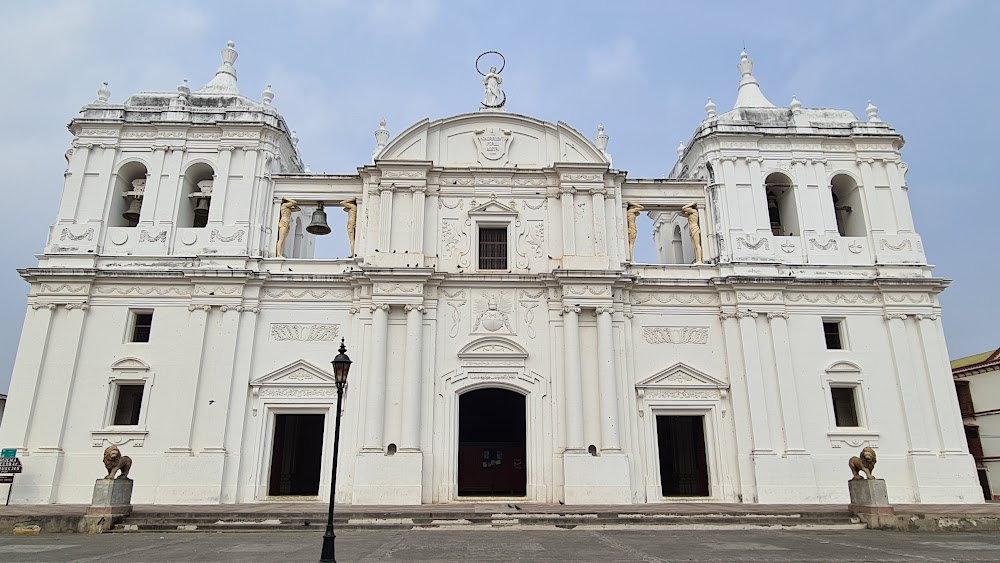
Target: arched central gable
pixel 492 140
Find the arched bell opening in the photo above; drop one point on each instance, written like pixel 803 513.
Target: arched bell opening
pixel 847 206
pixel 781 208
pixel 196 195
pixel 492 443
pixel 130 186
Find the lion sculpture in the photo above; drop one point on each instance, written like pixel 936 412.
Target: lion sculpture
pixel 115 461
pixel 865 462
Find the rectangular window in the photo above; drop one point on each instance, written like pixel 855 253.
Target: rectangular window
pixel 142 323
pixel 493 248
pixel 128 404
pixel 845 408
pixel 832 333
pixel 965 399
pixel 975 442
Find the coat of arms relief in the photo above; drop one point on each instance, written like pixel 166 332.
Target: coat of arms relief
pixel 493 311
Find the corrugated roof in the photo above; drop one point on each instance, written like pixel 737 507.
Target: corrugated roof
pixel 970 360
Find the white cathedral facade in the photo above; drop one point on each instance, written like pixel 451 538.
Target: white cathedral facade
pixel 505 344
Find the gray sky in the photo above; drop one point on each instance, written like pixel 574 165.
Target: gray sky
pixel 644 69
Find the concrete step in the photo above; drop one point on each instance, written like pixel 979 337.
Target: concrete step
pixel 171 522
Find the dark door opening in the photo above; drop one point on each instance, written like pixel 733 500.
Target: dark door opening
pixel 683 465
pixel 296 455
pixel 492 443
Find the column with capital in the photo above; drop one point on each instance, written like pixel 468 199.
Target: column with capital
pixel 385 216
pixel 568 220
pixel 151 193
pixel 607 381
pixel 26 378
pixel 417 220
pixel 375 410
pixel 913 409
pixel 791 420
pixel 600 226
pixel 220 188
pixel 412 395
pixel 759 414
pixel 573 379
pixel 949 417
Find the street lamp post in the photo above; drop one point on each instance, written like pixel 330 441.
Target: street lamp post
pixel 341 365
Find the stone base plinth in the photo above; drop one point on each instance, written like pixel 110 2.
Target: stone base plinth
pixel 112 497
pixel 602 479
pixel 869 496
pixel 388 479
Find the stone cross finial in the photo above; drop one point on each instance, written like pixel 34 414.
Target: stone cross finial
pixel 103 93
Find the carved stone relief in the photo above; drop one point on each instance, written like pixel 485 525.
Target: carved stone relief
pixel 493 311
pixel 675 334
pixel 304 332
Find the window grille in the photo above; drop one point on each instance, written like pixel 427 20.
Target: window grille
pixel 493 248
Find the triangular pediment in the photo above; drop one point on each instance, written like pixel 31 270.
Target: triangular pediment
pixel 299 372
pixel 681 375
pixel 492 207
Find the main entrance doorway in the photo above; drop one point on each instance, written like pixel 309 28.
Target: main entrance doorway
pixel 491 443
pixel 683 465
pixel 296 455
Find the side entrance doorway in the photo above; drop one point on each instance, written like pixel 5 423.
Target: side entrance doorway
pixel 683 464
pixel 296 455
pixel 492 443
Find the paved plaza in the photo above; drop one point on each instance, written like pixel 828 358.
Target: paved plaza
pixel 610 546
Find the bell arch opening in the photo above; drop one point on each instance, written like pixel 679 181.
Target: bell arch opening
pixel 492 443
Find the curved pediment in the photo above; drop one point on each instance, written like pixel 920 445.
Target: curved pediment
pixel 492 347
pixel 130 364
pixel 843 366
pixel 492 140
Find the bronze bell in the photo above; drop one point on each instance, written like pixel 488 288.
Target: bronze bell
pixel 201 212
pixel 132 214
pixel 318 225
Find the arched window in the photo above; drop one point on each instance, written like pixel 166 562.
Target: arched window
pixel 847 206
pixel 196 196
pixel 126 201
pixel 781 205
pixel 677 246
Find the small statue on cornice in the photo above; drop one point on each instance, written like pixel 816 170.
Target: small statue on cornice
pixel 288 206
pixel 633 211
pixel 694 228
pixel 351 208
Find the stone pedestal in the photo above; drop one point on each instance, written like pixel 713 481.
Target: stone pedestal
pixel 869 496
pixel 112 497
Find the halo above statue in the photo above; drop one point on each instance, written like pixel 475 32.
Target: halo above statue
pixel 503 61
pixel 495 97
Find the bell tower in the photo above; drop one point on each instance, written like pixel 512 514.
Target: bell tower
pixel 182 173
pixel 797 185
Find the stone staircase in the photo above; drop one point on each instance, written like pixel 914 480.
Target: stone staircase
pixel 706 516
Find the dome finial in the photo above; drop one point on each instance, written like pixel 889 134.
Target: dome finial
pixel 267 95
pixel 680 150
pixel 872 112
pixel 103 93
pixel 710 108
pixel 749 95
pixel 601 141
pixel 795 105
pixel 224 81
pixel 381 138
